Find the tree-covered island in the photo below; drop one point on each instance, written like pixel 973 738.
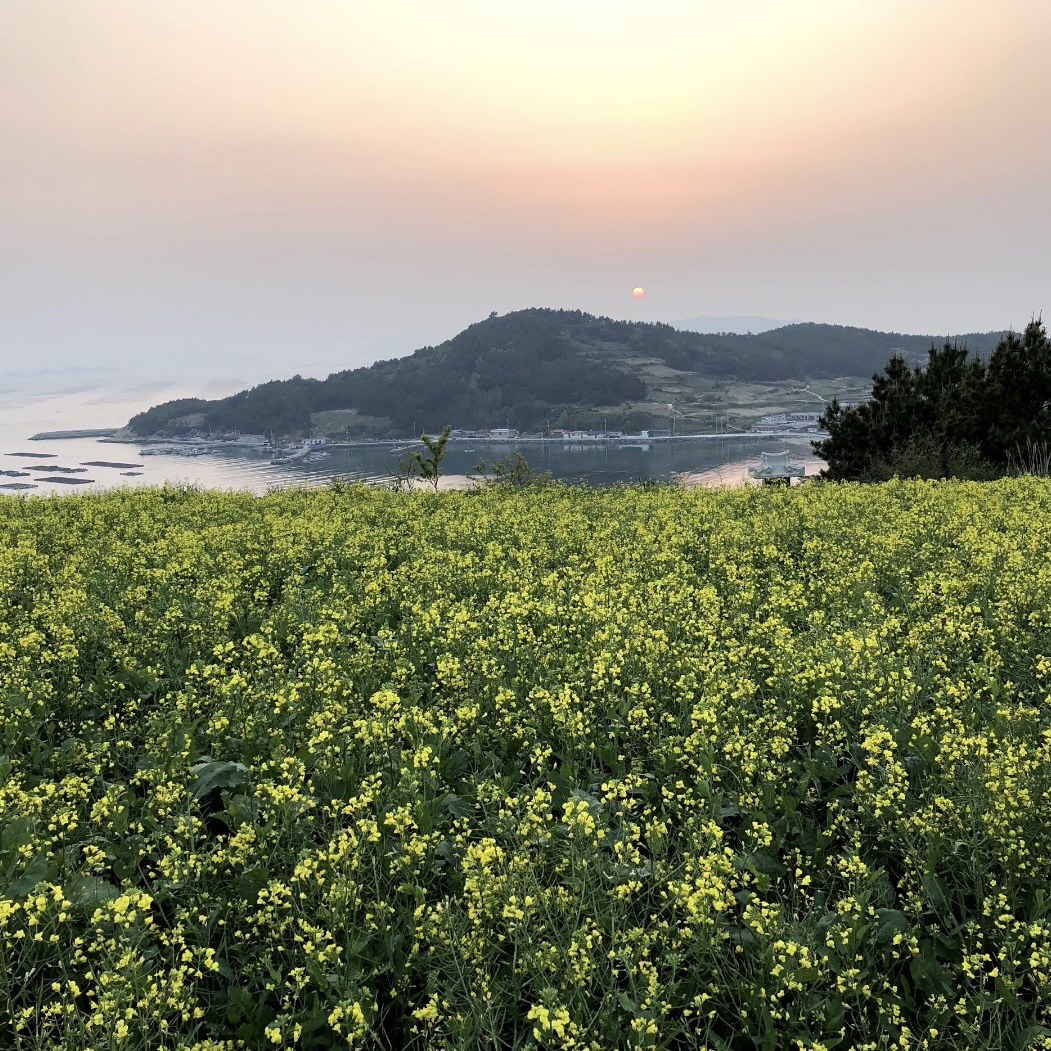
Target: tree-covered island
pixel 537 369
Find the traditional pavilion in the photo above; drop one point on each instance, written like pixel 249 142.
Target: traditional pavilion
pixel 777 469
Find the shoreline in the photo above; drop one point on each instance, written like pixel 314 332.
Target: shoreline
pixel 733 475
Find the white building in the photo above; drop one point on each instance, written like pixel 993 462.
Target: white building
pixel 795 422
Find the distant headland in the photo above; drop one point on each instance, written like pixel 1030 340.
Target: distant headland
pixel 88 432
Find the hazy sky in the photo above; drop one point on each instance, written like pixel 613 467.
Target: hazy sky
pixel 276 186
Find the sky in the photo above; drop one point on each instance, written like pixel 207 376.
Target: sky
pixel 268 187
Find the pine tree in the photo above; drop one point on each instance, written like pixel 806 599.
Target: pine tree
pixel 958 416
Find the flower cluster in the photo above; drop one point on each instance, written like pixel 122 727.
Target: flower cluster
pixel 546 768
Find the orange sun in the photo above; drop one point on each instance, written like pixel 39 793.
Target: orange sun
pixel 638 292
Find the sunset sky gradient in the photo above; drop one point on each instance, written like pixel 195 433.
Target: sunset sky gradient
pixel 295 186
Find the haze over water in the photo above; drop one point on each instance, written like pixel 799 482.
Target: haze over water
pixel 71 401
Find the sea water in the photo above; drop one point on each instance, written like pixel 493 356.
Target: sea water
pixel 29 405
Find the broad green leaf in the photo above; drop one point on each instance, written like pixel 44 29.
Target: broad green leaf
pixel 89 891
pixel 217 774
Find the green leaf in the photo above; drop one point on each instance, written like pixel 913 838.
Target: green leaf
pixel 252 881
pixel 35 872
pixel 927 973
pixel 16 834
pixel 761 861
pixel 217 774
pixel 891 922
pixel 89 892
pixel 936 892
pixel 744 936
pixel 1034 1033
pixel 456 806
pixel 456 765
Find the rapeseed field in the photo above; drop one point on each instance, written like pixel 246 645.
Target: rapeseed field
pixel 558 768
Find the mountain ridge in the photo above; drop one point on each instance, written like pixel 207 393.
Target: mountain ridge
pixel 741 324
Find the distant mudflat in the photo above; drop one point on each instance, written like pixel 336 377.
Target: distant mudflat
pixel 110 463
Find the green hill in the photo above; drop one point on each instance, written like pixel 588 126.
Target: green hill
pixel 535 368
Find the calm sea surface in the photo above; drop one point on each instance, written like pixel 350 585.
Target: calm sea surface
pixel 28 406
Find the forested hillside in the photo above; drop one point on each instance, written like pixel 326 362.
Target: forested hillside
pixel 528 367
